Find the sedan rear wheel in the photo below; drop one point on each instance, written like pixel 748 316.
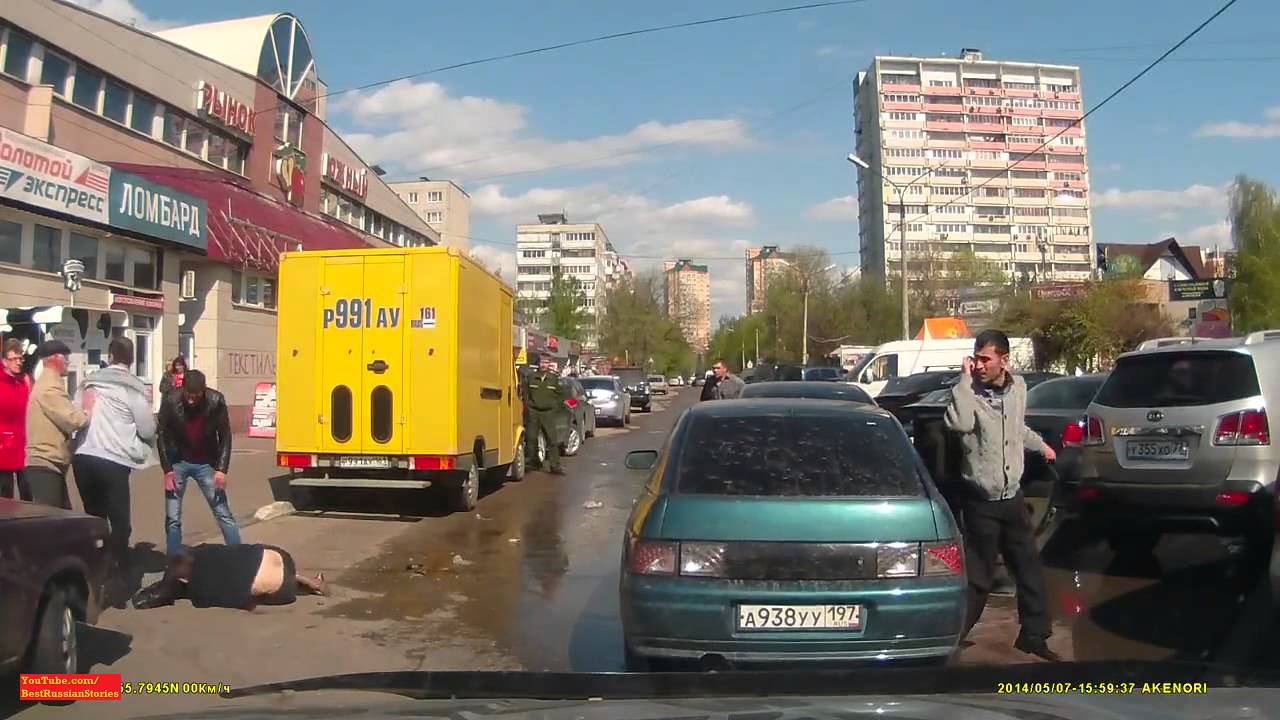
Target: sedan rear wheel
pixel 573 443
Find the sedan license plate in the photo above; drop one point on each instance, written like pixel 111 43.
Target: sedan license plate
pixel 799 617
pixel 1157 450
pixel 364 462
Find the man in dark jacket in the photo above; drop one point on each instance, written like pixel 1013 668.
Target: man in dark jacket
pixel 546 404
pixel 195 442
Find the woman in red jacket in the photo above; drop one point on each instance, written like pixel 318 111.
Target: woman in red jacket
pixel 15 389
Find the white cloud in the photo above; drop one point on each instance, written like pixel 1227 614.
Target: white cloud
pixel 1106 168
pixel 841 209
pixel 420 128
pixel 1208 236
pixel 643 230
pixel 498 259
pixel 1193 197
pixel 827 51
pixel 126 12
pixel 1268 128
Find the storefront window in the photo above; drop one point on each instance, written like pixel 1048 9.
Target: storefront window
pixel 85 249
pixel 114 271
pixel 236 153
pixel 85 91
pixel 237 283
pixel 144 113
pixel 48 249
pixel 173 125
pixel 54 72
pixel 144 267
pixel 143 327
pixel 217 149
pixel 115 102
pixel 10 242
pixel 17 55
pixel 251 291
pixel 269 293
pixel 195 139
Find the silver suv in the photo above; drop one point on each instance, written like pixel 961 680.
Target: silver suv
pixel 1177 440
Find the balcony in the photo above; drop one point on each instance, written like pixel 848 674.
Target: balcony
pixel 1028 182
pixel 1021 163
pixel 1065 149
pixel 1059 95
pixel 974 90
pixel 987 127
pixel 890 87
pixel 956 125
pixel 1058 184
pixel 1071 240
pixel 1060 220
pixel 936 179
pixel 893 105
pixel 1017 149
pixel 1071 130
pixel 998 181
pixel 942 90
pixel 1070 165
pixel 1030 201
pixel 1018 92
pixel 1028 111
pixel 988 163
pixel 893 142
pixel 986 144
pixel 1063 114
pixel 937 143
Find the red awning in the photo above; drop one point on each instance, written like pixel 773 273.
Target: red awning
pixel 247 228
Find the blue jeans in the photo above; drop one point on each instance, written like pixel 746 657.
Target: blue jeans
pixel 203 475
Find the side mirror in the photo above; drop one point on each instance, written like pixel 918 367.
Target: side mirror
pixel 641 459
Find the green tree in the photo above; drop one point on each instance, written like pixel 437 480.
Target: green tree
pixel 1255 225
pixel 563 315
pixel 635 329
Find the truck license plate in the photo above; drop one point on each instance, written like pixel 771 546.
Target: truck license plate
pixel 799 617
pixel 364 462
pixel 1158 450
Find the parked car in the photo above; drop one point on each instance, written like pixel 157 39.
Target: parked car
pixel 827 374
pixel 657 385
pixel 675 381
pixel 1054 409
pixel 788 530
pixel 636 383
pixel 611 401
pixel 900 393
pixel 53 565
pixel 816 390
pixel 582 416
pixel 1178 439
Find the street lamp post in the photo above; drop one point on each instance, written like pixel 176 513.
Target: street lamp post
pixel 902 231
pixel 804 280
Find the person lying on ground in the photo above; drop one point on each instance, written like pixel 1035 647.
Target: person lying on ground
pixel 231 576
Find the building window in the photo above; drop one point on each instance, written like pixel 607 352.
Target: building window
pixel 434 216
pixel 85 87
pixel 174 124
pixel 1071 176
pixel 114 271
pixel 143 262
pixel 115 102
pixel 85 249
pixel 195 139
pixel 10 242
pixel 413 198
pixel 143 327
pixel 435 196
pixel 288 124
pixel 17 54
pixel 237 286
pixel 144 114
pixel 253 290
pixel 1071 212
pixel 48 249
pixel 54 72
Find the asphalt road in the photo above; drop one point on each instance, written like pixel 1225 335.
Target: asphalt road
pixel 529 581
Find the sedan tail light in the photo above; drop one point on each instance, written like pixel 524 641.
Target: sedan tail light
pixel 649 557
pixel 1085 431
pixel 895 560
pixel 1073 434
pixel 943 558
pixel 1248 427
pixel 702 559
pixel 571 403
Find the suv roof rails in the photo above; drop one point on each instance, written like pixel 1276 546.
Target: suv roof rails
pixel 1261 336
pixel 1154 343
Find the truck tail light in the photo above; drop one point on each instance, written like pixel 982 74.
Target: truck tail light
pixel 652 557
pixel 1248 427
pixel 434 462
pixel 294 460
pixel 943 558
pixel 898 560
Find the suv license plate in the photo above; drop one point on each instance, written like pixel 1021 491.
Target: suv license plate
pixel 1158 450
pixel 364 462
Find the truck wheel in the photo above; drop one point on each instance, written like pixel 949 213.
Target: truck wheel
pixel 54 648
pixel 467 495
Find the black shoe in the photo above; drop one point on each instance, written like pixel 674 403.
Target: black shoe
pixel 1034 645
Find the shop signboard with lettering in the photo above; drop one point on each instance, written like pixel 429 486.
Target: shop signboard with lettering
pixel 346 177
pixel 1214 289
pixel 229 111
pixel 158 211
pixel 38 174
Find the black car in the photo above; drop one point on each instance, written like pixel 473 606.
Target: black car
pixel 813 389
pixel 1054 409
pixel 636 383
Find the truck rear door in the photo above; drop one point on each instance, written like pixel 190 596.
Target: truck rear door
pixel 383 368
pixel 341 351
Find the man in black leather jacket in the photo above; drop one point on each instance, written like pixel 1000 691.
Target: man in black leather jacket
pixel 194 441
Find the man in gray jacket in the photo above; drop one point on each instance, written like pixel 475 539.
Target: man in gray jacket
pixel 728 386
pixel 116 442
pixel 988 410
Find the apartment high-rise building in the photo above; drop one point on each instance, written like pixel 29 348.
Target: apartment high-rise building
pixel 962 137
pixel 443 205
pixel 760 263
pixel 687 288
pixel 577 250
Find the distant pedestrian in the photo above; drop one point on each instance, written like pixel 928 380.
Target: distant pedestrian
pixel 546 408
pixel 173 376
pixel 230 576
pixel 194 441
pixel 728 386
pixel 988 410
pixel 116 442
pixel 52 419
pixel 15 391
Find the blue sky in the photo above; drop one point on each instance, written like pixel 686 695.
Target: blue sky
pixel 704 141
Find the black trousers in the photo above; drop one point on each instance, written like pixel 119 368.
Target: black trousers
pixel 1004 527
pixel 13 485
pixel 104 489
pixel 47 486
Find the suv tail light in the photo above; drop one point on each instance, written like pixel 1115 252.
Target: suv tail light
pixel 1085 431
pixel 649 557
pixel 943 558
pixel 1248 427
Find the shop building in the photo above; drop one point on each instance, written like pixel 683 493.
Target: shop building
pixel 176 167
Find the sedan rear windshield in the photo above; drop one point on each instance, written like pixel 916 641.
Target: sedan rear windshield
pixel 1180 379
pixel 597 383
pixel 791 455
pixel 1064 394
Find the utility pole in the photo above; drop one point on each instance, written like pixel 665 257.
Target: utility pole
pixel 757 345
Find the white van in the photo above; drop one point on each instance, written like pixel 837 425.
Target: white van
pixel 908 357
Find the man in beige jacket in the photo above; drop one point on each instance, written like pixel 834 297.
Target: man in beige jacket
pixel 51 420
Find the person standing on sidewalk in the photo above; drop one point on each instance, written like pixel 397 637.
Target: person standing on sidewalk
pixel 195 442
pixel 173 375
pixel 15 391
pixel 51 421
pixel 546 404
pixel 116 442
pixel 988 410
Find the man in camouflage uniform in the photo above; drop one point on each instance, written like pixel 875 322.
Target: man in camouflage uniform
pixel 546 402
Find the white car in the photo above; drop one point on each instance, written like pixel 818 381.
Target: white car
pixel 676 381
pixel 657 385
